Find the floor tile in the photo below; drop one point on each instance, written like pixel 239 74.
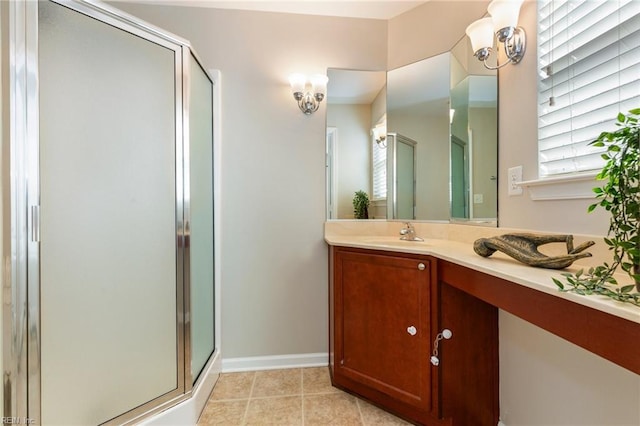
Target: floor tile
pixel 317 380
pixel 285 411
pixel 277 383
pixel 339 409
pixel 223 413
pixel 288 397
pixel 374 416
pixel 233 386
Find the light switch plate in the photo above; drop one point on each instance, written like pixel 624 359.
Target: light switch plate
pixel 514 177
pixel 478 198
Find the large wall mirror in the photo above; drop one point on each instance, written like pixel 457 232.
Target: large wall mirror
pixel 422 143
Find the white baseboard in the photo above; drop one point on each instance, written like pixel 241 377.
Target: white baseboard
pixel 274 362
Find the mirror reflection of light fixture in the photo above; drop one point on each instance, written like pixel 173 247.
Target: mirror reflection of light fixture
pixel 503 23
pixel 452 112
pixel 379 133
pixel 308 101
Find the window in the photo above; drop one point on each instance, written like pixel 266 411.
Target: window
pixel 589 71
pixel 379 170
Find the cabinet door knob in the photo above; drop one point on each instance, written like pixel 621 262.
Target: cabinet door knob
pixel 421 266
pixel 412 330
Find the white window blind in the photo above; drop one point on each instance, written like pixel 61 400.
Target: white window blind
pixel 589 71
pixel 379 170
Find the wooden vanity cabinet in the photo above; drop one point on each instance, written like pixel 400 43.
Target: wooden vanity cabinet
pixel 386 309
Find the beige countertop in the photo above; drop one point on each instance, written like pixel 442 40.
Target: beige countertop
pixel 498 265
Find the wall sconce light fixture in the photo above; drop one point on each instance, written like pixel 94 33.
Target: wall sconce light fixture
pixel 379 133
pixel 503 23
pixel 308 101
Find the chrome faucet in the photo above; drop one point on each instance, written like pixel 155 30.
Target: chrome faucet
pixel 409 233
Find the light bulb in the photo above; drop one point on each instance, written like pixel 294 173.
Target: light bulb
pixel 297 81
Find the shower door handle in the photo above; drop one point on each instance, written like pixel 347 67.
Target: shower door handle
pixel 35 224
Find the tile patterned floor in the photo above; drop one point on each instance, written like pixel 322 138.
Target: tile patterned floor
pixel 298 396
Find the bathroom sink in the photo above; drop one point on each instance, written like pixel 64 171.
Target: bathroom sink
pixel 392 241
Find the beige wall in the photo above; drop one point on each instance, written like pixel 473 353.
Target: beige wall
pixel 545 380
pixel 430 29
pixel 274 259
pixel 353 171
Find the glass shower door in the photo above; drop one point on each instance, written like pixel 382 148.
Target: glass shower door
pixel 110 279
pixel 405 177
pixel 201 238
pixel 405 180
pixel 459 180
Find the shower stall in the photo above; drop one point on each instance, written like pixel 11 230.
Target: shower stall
pixel 109 277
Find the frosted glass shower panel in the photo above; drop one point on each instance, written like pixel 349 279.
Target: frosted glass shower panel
pixel 201 201
pixel 405 178
pixel 108 219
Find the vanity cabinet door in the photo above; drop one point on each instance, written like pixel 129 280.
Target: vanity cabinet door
pixel 381 313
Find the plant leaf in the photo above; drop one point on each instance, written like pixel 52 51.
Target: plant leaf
pixel 627 288
pixel 558 283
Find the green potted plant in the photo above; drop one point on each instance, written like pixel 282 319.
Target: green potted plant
pixel 620 196
pixel 361 205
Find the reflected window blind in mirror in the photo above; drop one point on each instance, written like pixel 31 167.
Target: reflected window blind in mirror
pixel 379 170
pixel 589 70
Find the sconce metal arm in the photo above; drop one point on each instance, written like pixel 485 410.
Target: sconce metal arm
pixel 514 48
pixel 307 102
